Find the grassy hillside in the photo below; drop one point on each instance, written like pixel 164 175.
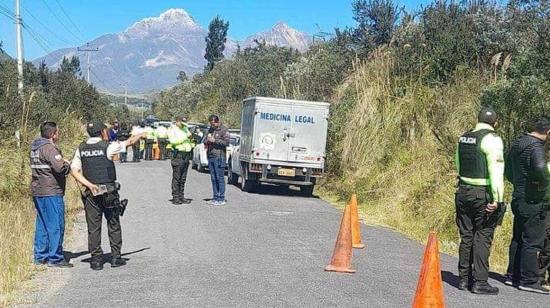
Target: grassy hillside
pixel 392 141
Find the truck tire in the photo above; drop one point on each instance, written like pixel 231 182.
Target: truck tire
pixel 307 191
pixel 248 185
pixel 232 178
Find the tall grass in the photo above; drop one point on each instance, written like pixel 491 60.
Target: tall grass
pixel 393 142
pixel 17 214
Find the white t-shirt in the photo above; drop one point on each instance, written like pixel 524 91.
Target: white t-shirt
pixel 113 149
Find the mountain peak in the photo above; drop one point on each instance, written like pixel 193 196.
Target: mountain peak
pixel 281 26
pixel 175 14
pixel 175 17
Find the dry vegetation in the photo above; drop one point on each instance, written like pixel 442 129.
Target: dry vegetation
pixel 17 214
pixel 406 134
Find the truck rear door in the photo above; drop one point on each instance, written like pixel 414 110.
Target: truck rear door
pixel 273 125
pixel 308 133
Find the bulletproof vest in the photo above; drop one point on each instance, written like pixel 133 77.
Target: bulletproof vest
pixel 473 163
pixel 96 167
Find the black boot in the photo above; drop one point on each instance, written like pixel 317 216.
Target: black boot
pixel 96 264
pixel 463 285
pixel 117 262
pixel 483 287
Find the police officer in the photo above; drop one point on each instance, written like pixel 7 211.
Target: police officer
pixel 123 135
pixel 180 141
pixel 528 171
pixel 480 165
pixel 162 134
pixel 93 167
pixel 150 139
pixel 136 152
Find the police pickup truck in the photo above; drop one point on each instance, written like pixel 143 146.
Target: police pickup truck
pixel 282 142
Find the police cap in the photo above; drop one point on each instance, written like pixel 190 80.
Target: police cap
pixel 487 115
pixel 94 128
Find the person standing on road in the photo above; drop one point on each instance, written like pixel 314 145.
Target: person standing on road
pixel 528 171
pixel 150 139
pixel 123 135
pixel 93 167
pixel 136 152
pixel 216 143
pixel 162 134
pixel 180 143
pixel 479 200
pixel 49 171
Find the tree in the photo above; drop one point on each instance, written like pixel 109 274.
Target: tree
pixel 182 76
pixel 215 42
pixel 377 20
pixel 70 66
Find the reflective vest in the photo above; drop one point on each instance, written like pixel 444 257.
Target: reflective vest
pixel 150 133
pixel 179 138
pixel 162 132
pixel 96 167
pixel 472 161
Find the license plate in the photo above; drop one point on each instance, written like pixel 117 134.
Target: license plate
pixel 286 172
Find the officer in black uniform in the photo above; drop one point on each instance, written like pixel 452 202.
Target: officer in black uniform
pixel 479 200
pixel 528 171
pixel 93 167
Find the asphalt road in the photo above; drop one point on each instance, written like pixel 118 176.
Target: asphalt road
pixel 263 249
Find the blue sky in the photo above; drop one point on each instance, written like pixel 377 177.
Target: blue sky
pixel 92 18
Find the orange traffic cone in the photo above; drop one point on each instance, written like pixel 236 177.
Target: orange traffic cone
pixel 341 257
pixel 429 292
pixel 355 226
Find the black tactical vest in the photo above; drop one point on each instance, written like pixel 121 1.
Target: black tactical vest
pixel 96 167
pixel 472 161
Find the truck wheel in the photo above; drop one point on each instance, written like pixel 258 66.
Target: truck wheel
pixel 232 177
pixel 248 185
pixel 307 191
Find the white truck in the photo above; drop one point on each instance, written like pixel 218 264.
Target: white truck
pixel 282 142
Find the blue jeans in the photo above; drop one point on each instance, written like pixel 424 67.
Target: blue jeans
pixel 217 172
pixel 50 229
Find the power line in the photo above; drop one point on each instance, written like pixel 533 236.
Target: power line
pixel 7 9
pixel 37 38
pixel 53 33
pixel 68 17
pixel 12 18
pixel 59 19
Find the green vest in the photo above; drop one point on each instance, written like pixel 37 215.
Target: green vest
pixel 179 139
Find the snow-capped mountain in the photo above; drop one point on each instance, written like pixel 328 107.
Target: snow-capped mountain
pixel 149 54
pixel 281 35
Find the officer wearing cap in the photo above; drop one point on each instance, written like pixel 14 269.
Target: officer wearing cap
pixel 479 200
pixel 179 137
pixel 93 167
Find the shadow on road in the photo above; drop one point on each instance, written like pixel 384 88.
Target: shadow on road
pixel 106 257
pixel 73 255
pixel 453 280
pixel 450 278
pixel 277 190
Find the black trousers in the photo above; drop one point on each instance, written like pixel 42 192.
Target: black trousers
pixel 96 208
pixel 180 165
pixel 136 153
pixel 162 148
pixel 544 256
pixel 527 241
pixel 477 229
pixel 149 149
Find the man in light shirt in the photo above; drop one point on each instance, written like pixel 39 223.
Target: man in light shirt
pixel 93 167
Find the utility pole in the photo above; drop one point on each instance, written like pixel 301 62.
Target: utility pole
pixel 87 50
pixel 126 95
pixel 19 38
